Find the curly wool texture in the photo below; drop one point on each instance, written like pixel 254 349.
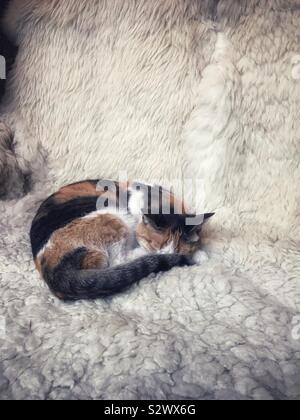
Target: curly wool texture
pixel 161 89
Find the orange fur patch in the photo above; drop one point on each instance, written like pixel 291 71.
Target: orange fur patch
pixel 94 233
pixel 71 192
pixel 38 264
pixel 94 260
pixel 155 240
pixel 87 189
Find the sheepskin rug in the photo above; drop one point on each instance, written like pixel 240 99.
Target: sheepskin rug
pixel 164 90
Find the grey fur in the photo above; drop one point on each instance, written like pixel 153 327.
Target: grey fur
pixel 12 180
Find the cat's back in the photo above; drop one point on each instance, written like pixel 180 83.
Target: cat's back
pixel 62 208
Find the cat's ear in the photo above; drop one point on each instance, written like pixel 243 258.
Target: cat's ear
pixel 207 216
pixel 159 222
pixel 196 222
pixel 153 220
pixel 193 231
pixel 147 220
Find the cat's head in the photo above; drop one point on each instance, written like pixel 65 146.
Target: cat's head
pixel 176 233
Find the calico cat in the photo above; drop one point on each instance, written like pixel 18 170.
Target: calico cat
pixel 88 243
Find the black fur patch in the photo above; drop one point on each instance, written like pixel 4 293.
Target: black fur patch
pixel 174 222
pixel 52 216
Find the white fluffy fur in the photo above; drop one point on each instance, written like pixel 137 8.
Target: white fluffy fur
pixel 162 89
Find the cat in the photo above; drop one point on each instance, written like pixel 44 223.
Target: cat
pixel 85 250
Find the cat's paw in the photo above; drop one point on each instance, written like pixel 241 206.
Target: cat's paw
pixel 200 257
pixel 138 253
pixel 168 249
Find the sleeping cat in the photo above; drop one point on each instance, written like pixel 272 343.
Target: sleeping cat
pixel 85 250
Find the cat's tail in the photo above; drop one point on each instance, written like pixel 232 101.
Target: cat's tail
pixel 69 282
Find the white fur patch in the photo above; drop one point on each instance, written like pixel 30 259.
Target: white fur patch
pixel 117 254
pixel 168 249
pixel 127 219
pixel 48 246
pixel 137 253
pixel 194 237
pixel 200 257
pixel 136 202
